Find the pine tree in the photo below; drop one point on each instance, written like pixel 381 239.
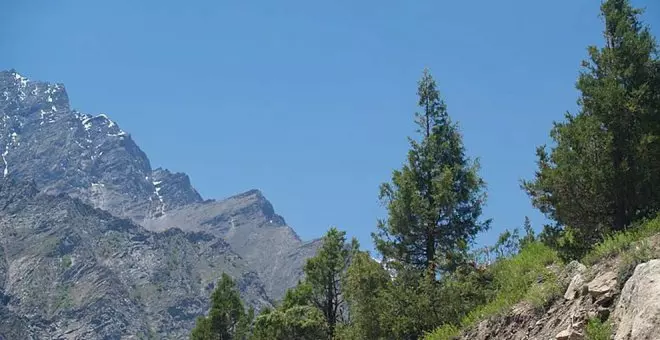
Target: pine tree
pixel 434 202
pixel 317 304
pixel 365 287
pixel 227 319
pixel 530 236
pixel 601 174
pixel 324 272
pixel 299 322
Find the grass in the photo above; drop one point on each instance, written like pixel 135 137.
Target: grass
pixel 445 332
pixel 541 295
pixel 598 330
pixel 641 252
pixel 621 242
pixel 516 278
pixel 631 246
pixel 524 277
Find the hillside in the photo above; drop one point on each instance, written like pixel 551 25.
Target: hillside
pixel 613 295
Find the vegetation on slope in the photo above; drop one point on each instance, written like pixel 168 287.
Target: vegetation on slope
pixel 596 184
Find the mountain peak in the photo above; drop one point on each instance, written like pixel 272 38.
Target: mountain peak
pixel 66 151
pixel 91 159
pixel 19 92
pixel 252 193
pixel 174 188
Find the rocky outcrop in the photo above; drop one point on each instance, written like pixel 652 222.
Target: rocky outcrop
pixel 174 189
pixel 637 313
pixel 569 334
pixel 575 273
pixel 592 293
pixel 602 285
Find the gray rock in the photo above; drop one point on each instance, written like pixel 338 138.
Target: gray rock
pixel 83 272
pixel 604 283
pixel 65 151
pixel 174 189
pixel 251 227
pixel 99 245
pixel 569 334
pixel 575 267
pixel 637 313
pixel 575 287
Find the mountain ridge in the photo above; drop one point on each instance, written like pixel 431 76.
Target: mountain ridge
pixel 89 158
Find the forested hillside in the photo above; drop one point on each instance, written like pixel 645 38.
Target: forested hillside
pixel 597 182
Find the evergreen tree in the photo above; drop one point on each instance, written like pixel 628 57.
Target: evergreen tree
pixel 294 323
pixel 317 303
pixel 507 245
pixel 227 319
pixel 600 176
pixel 324 272
pixel 365 286
pixel 530 236
pixel 434 202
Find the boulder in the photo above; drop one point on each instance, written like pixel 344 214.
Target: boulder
pixel 637 313
pixel 575 287
pixel 603 284
pixel 569 334
pixel 572 268
pixel 575 267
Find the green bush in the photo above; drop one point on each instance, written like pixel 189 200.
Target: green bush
pixel 598 330
pixel 618 243
pixel 542 294
pixel 523 277
pixel 515 278
pixel 641 252
pixel 446 332
pixel 570 243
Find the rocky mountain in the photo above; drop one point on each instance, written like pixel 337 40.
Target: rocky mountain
pixel 98 245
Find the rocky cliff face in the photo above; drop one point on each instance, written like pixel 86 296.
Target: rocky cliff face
pixel 98 245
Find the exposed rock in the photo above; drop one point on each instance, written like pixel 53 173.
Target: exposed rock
pixel 575 287
pixel 174 189
pixel 127 279
pixel 637 314
pixel 634 312
pixel 573 268
pixel 604 283
pixel 563 319
pixel 253 230
pixel 569 334
pixel 79 271
pixel 605 300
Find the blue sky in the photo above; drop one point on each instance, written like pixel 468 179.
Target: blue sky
pixel 312 101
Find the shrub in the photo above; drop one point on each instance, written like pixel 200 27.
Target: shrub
pixel 598 330
pixel 620 242
pixel 446 332
pixel 525 276
pixel 641 252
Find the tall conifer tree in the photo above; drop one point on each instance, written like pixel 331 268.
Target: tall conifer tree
pixel 434 201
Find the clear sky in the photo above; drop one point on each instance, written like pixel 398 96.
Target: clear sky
pixel 312 101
